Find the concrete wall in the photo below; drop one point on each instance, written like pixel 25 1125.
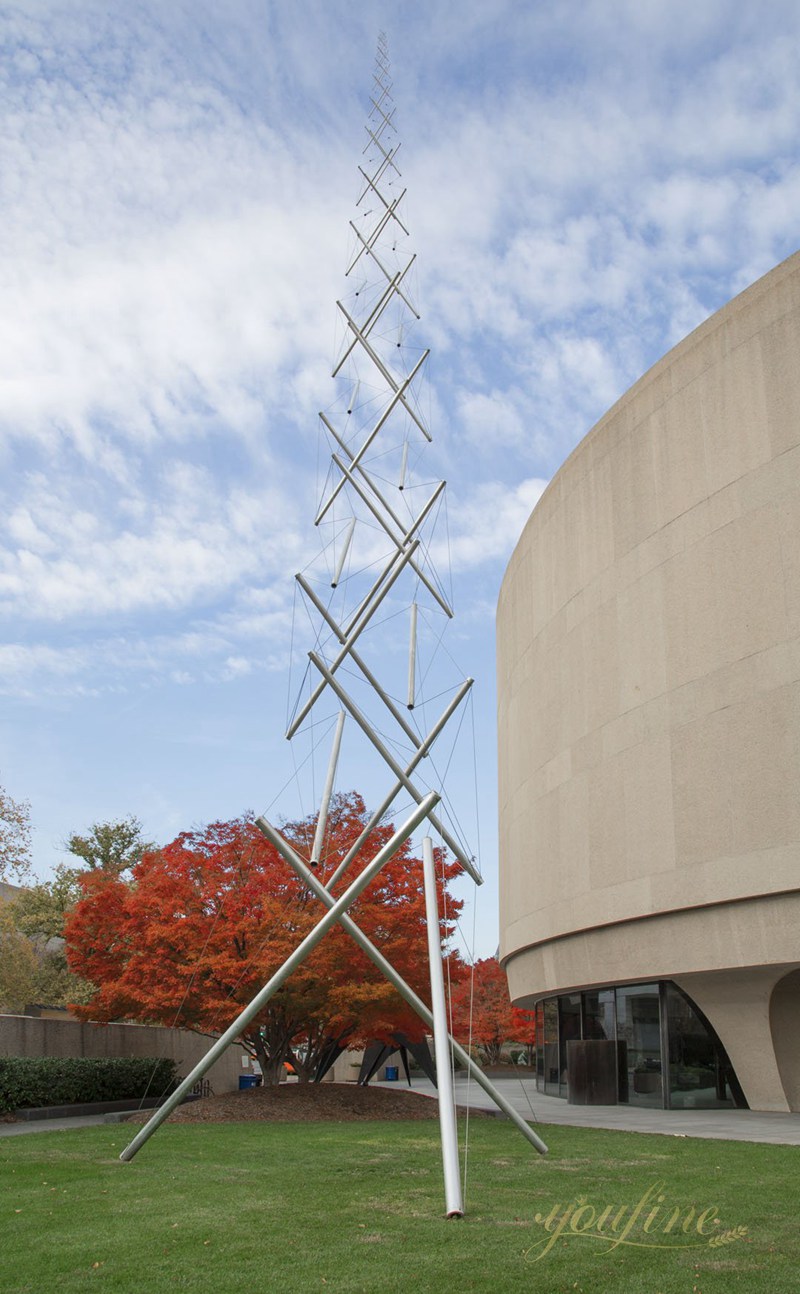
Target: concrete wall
pixel 649 686
pixel 22 1035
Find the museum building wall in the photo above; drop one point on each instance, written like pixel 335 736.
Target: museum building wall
pixel 648 644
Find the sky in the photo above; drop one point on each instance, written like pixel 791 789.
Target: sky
pixel 586 183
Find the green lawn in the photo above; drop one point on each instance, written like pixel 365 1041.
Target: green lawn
pixel 347 1207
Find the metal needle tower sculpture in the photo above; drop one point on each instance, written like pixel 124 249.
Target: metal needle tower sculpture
pixel 376 517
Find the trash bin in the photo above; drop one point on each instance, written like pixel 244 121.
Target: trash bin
pixel 392 1073
pixel 247 1080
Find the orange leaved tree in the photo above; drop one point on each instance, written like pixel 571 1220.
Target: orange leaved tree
pixel 484 997
pixel 209 918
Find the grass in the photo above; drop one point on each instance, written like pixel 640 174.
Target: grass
pixel 214 1209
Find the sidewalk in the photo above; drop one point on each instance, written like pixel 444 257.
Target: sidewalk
pixel 59 1125
pixel 726 1125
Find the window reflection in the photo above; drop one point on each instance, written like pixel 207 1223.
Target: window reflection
pixel 550 1046
pixel 639 1027
pixel 668 1053
pixel 569 1030
pixel 700 1074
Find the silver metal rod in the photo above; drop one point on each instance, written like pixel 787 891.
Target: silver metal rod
pixel 379 128
pixel 376 512
pixel 369 243
pixel 369 247
pixel 380 85
pixel 322 820
pixel 356 458
pixel 405 991
pixel 384 125
pixel 401 484
pixel 423 514
pixel 387 117
pixel 348 539
pixel 396 398
pixel 422 752
pixel 379 195
pixel 453 1199
pixel 359 661
pixel 385 373
pixel 376 178
pixel 365 615
pixel 362 472
pixel 388 157
pixel 378 309
pixel 352 708
pixel 412 657
pixel 292 962
pixel 366 601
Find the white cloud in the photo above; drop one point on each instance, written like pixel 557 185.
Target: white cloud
pixel 187 541
pixel 175 189
pixel 485 523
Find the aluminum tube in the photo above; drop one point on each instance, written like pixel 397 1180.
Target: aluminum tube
pixel 387 274
pixel 401 485
pixel 382 199
pixel 292 962
pixel 423 514
pixel 438 826
pixel 454 1203
pixel 412 657
pixel 361 492
pixel 322 820
pixel 375 180
pixel 385 373
pixel 357 660
pixel 377 311
pixel 405 991
pixel 348 539
pixel 355 629
pixel 396 398
pixel 397 788
pixel 376 233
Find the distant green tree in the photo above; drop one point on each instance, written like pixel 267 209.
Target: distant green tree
pixel 40 910
pixel 113 847
pixel 17 963
pixel 33 962
pixel 15 837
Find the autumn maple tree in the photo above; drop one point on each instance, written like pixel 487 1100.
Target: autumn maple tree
pixel 481 1009
pixel 209 918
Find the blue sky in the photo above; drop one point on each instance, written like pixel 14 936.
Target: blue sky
pixel 586 183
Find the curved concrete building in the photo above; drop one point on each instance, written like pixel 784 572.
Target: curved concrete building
pixel 649 724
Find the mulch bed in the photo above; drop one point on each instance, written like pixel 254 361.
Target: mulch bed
pixel 307 1103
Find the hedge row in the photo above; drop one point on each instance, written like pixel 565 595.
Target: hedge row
pixel 27 1082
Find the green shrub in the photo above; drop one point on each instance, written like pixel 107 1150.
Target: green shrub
pixel 27 1082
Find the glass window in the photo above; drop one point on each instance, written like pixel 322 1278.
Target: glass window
pixel 668 1053
pixel 599 1016
pixel 700 1074
pixel 569 1030
pixel 639 1027
pixel 550 1046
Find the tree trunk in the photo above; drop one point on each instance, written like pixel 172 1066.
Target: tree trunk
pixel 271 1063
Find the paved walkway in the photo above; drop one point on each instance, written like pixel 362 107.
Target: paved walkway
pixel 726 1125
pixel 55 1125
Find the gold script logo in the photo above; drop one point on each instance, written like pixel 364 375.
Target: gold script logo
pixel 651 1223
